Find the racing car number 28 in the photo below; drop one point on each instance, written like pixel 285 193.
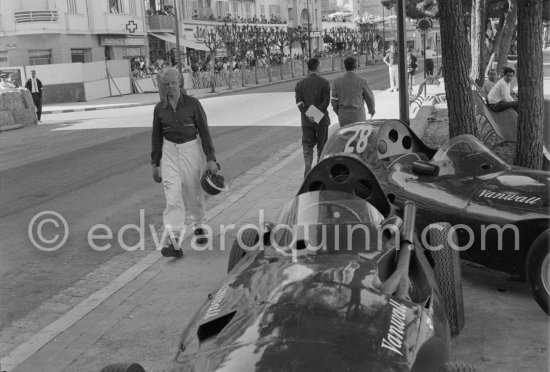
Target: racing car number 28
pixel 359 135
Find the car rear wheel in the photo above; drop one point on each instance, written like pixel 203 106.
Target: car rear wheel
pixel 249 239
pixel 123 367
pixel 448 274
pixel 537 269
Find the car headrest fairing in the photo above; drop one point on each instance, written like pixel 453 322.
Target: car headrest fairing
pixel 347 173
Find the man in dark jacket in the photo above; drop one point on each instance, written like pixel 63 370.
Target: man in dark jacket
pixel 313 90
pixel 34 85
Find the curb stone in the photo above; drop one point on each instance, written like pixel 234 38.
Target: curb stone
pixel 11 127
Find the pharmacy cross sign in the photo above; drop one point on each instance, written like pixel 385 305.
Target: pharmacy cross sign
pixel 131 27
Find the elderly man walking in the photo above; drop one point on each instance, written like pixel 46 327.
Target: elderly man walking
pixel 313 97
pixel 350 92
pixel 176 159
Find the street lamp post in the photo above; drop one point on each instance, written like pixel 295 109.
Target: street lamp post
pixel 308 29
pixel 177 36
pixel 383 32
pixel 403 91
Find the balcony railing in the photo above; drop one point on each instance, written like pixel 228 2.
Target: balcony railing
pixel 28 16
pixel 161 22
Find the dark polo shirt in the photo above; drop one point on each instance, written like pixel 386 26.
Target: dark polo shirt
pixel 180 125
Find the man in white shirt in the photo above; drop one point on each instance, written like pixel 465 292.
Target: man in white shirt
pixel 499 97
pixel 430 54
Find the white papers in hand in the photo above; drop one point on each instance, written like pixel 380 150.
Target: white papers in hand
pixel 316 113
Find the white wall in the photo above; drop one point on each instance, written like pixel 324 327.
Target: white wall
pixel 95 80
pixel 60 73
pixel 93 75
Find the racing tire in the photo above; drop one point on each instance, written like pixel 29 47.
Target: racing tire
pixel 457 367
pixel 249 237
pixel 123 367
pixel 448 276
pixel 537 269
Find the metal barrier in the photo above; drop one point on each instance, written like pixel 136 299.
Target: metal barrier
pixel 295 68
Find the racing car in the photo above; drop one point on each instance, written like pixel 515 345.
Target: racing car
pixel 338 283
pixel 500 213
pixel 305 294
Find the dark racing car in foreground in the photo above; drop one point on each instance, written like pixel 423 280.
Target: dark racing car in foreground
pixel 500 212
pixel 340 283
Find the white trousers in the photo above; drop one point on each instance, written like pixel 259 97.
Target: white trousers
pixel 181 167
pixel 394 76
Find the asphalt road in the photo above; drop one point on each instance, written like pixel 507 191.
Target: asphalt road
pixel 93 168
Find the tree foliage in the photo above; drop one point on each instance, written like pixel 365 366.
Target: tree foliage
pixel 415 9
pixel 211 38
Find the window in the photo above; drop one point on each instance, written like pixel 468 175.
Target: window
pixel 133 9
pixel 262 9
pixel 40 57
pixel 248 9
pixel 81 55
pixel 290 14
pixel 115 6
pixel 219 8
pixel 274 10
pixel 71 7
pixel 235 8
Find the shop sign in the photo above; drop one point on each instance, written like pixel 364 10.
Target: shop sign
pixel 134 41
pixel 121 41
pixel 132 52
pixel 109 40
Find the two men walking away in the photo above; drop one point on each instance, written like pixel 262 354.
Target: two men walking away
pixel 350 92
pixel 313 99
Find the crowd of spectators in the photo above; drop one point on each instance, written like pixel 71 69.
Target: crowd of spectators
pixel 274 19
pixel 219 65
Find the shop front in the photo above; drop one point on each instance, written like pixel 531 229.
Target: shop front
pixel 124 47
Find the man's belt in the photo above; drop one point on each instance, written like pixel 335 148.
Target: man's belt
pixel 180 140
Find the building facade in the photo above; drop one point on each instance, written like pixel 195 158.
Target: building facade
pixel 34 32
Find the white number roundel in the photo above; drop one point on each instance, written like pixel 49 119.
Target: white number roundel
pixel 354 144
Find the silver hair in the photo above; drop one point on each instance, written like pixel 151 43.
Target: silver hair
pixel 170 70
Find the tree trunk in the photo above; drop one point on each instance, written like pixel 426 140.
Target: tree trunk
pixel 530 85
pixel 456 62
pixel 508 31
pixel 478 41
